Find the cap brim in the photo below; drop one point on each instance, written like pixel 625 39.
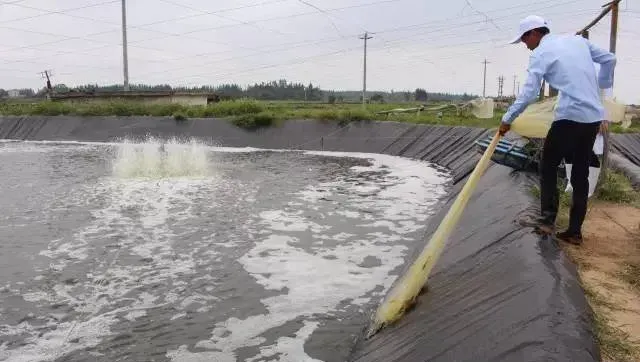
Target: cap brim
pixel 516 40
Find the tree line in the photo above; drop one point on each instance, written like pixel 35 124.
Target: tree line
pixel 272 90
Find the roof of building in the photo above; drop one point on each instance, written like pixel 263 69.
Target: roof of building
pixel 128 94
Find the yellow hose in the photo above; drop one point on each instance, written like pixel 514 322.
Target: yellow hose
pixel 406 290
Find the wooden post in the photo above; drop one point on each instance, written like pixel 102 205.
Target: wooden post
pixel 542 90
pixel 606 135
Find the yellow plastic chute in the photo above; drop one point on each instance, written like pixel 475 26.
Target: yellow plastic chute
pixel 536 120
pixel 406 290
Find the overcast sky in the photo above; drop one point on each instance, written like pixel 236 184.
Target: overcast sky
pixel 195 42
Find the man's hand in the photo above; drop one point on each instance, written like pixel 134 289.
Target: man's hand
pixel 504 128
pixel 604 126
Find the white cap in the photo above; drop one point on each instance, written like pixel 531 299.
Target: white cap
pixel 529 23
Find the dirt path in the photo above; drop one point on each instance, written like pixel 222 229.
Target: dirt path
pixel 609 266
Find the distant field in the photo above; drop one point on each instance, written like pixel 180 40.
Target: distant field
pixel 252 114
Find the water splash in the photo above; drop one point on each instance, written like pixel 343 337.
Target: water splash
pixel 156 158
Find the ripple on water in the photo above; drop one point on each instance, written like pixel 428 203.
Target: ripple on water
pixel 190 254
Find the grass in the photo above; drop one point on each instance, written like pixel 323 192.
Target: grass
pixel 615 344
pixel 634 128
pixel 631 274
pixel 616 188
pixel 247 113
pixel 253 114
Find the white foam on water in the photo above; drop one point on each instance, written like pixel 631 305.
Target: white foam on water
pixel 319 282
pixel 152 181
pixel 53 342
pixel 290 349
pixel 182 354
pixel 152 185
pixel 155 158
pixel 37 147
pixel 100 299
pixel 290 221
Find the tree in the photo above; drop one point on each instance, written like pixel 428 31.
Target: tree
pixel 377 98
pixel 421 95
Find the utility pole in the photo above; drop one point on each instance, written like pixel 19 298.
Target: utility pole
pixel 514 84
pixel 500 85
pixel 125 60
pixel 46 75
pixel 613 36
pixel 365 37
pixel 484 83
pixel 614 26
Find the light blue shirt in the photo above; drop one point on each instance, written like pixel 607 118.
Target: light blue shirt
pixel 566 63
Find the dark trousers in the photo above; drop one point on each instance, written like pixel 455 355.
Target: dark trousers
pixel 594 161
pixel 573 141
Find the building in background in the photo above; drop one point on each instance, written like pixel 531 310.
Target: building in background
pixel 14 93
pixel 169 97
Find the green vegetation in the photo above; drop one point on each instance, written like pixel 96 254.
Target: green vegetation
pixel 631 274
pixel 615 344
pixel 281 89
pixel 634 128
pixel 249 113
pixel 254 120
pixel 615 188
pixel 252 114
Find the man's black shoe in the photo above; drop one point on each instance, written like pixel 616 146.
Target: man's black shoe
pixel 571 238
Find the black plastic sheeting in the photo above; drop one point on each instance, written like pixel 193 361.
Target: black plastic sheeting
pixel 626 156
pixel 628 145
pixel 498 293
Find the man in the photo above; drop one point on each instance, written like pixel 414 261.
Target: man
pixel 567 64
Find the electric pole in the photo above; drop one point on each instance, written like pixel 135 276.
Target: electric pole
pixel 365 37
pixel 46 75
pixel 484 84
pixel 500 85
pixel 514 85
pixel 125 60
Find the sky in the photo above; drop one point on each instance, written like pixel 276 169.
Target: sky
pixel 414 43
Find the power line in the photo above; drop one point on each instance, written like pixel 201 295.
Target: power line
pixel 142 27
pixel 268 2
pixel 338 52
pixel 305 59
pixel 309 58
pixel 217 14
pixel 326 14
pixel 288 46
pixel 50 12
pixel 484 14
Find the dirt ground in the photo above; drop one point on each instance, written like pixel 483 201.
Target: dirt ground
pixel 609 266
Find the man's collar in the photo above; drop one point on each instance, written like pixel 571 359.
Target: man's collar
pixel 544 38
